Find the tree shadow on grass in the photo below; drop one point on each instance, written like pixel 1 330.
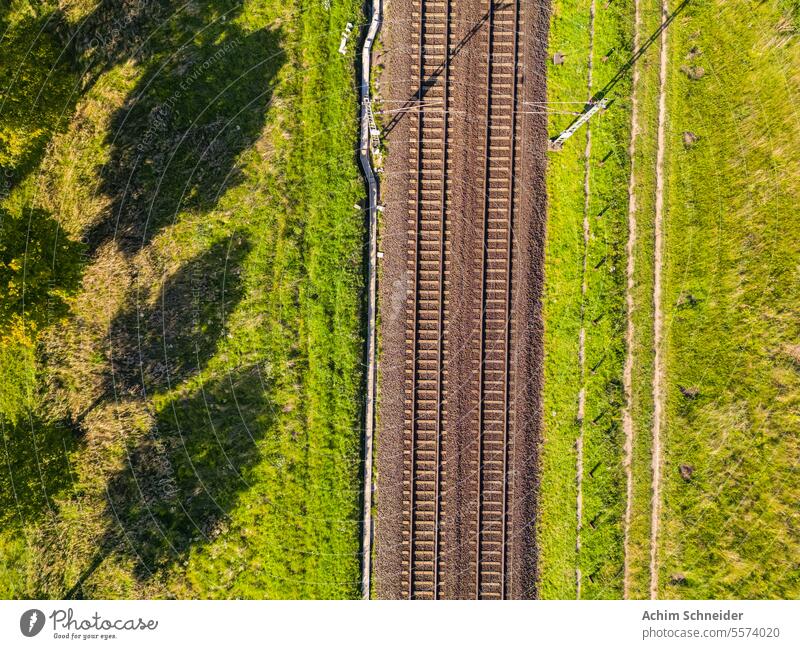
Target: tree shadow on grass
pixel 175 143
pixel 181 477
pixel 34 469
pixel 162 340
pixel 200 102
pixel 184 478
pixel 39 265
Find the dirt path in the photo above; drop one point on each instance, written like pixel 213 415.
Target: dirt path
pixel 627 375
pixel 582 340
pixel 658 372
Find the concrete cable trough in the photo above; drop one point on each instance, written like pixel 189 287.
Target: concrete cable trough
pixel 372 191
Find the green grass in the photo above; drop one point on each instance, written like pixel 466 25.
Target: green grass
pixel 561 308
pixel 730 311
pixel 729 321
pixel 604 482
pixel 731 531
pixel 194 394
pixel 603 488
pixel 181 396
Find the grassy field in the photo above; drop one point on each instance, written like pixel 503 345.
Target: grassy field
pixel 729 523
pixel 600 312
pixel 731 304
pixel 183 418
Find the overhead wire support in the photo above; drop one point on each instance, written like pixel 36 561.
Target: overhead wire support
pixel 600 100
pixel 592 108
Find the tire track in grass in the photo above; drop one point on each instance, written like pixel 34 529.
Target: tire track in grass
pixel 658 370
pixel 627 376
pixel 582 338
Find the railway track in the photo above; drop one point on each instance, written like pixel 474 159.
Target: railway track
pixel 426 482
pixel 495 389
pixel 426 372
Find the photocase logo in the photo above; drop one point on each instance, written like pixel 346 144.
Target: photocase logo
pixel 31 622
pixel 67 625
